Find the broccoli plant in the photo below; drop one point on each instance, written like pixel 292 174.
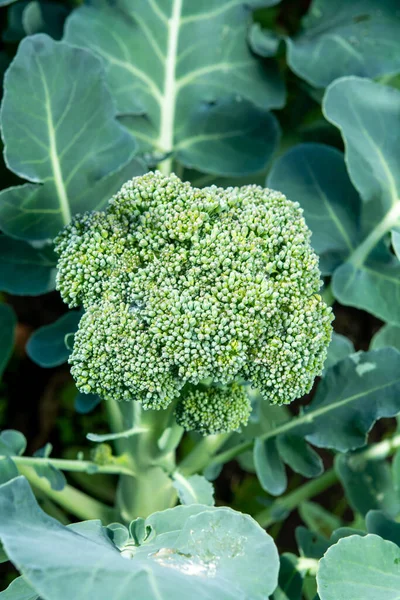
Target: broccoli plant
pixel 190 295
pixel 213 190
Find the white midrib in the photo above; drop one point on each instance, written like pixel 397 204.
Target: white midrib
pixel 167 117
pixel 55 162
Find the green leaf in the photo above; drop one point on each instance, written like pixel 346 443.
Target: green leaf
pixel 377 522
pixel 290 582
pixel 368 484
pixel 46 346
pixel 85 403
pixel 203 552
pixel 388 335
pixel 318 519
pixel 343 532
pixel 27 18
pixel 374 287
pixel 315 175
pixel 346 38
pixel 264 42
pixel 339 348
pixel 63 135
pixel 269 467
pixel 12 442
pixel 178 88
pixel 25 270
pixel 241 137
pixel 8 323
pixel 360 568
pixel 396 242
pixel 299 456
pixel 19 589
pixel 44 17
pixel 8 470
pixel 353 395
pixel 55 477
pixel 194 490
pixel 310 543
pixel 367 114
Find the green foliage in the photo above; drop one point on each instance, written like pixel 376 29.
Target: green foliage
pixel 346 38
pixel 26 270
pixel 8 322
pixel 316 175
pixel 47 347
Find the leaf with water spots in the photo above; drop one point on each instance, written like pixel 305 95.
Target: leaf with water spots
pixel 203 552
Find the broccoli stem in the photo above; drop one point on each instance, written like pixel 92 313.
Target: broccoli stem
pixel 203 454
pixel 70 499
pixel 150 455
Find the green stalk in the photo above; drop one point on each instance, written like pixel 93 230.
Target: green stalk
pixel 202 454
pixel 364 249
pixel 83 466
pixel 150 455
pixel 70 499
pixel 286 504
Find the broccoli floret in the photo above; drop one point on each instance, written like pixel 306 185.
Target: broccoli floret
pixel 181 285
pixel 214 409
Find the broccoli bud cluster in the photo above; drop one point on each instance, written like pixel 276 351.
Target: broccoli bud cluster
pixel 180 285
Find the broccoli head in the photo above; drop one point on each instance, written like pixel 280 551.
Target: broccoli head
pixel 182 285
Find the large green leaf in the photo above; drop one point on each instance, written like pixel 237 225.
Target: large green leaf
pixel 185 81
pixel 25 270
pixel 346 37
pixel 8 323
pixel 202 552
pixel 315 175
pixel 368 115
pixel 63 135
pixel 360 568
